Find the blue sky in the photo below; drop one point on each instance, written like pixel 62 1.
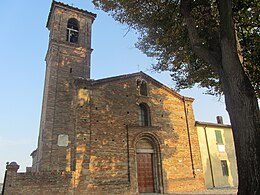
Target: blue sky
pixel 24 41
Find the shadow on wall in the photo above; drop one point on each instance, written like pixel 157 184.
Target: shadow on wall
pixel 215 176
pixel 107 129
pixel 109 157
pixel 231 158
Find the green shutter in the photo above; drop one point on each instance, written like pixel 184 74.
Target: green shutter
pixel 219 137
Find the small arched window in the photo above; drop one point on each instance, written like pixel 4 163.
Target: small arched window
pixel 72 30
pixel 143 88
pixel 144 115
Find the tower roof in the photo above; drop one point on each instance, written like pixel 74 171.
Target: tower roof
pixel 66 6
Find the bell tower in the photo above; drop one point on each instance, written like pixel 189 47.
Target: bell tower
pixel 67 58
pixel 70 36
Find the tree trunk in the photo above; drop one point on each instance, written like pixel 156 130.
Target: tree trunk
pixel 242 106
pixel 241 101
pixel 244 117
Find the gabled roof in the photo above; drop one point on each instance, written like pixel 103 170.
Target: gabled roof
pixel 141 75
pixel 63 5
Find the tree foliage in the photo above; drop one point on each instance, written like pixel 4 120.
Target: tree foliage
pixel 247 17
pixel 164 36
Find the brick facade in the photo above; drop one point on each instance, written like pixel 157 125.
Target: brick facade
pixel 64 61
pixel 91 130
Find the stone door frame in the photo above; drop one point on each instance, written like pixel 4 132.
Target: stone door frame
pixel 157 165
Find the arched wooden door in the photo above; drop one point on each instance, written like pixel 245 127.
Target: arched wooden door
pixel 145 166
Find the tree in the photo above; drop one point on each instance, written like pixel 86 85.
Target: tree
pixel 215 44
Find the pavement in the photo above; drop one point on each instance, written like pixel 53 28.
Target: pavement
pixel 215 191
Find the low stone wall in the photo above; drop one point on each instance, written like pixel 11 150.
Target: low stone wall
pixel 35 183
pixel 56 183
pixel 72 183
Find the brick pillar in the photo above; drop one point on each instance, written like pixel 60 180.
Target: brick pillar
pixel 12 168
pixel 10 174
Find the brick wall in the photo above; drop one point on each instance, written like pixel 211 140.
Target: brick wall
pixel 106 131
pixel 64 61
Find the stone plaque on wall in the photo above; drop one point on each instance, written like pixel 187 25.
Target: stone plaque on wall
pixel 63 140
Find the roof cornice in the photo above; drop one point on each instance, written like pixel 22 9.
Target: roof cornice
pixel 208 124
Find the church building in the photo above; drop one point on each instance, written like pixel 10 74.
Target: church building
pixel 122 135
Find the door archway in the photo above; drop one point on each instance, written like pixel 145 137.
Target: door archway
pixel 148 163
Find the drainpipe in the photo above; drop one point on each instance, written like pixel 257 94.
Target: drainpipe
pixel 188 132
pixel 209 156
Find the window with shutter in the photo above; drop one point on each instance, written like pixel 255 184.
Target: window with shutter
pixel 224 168
pixel 219 137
